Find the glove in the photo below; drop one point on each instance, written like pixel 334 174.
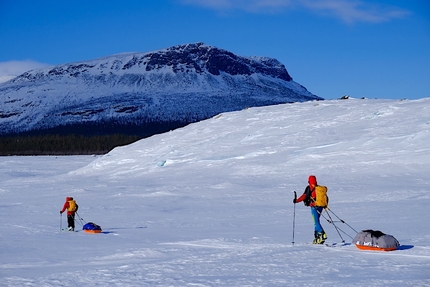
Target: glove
pixel 61 212
pixel 294 200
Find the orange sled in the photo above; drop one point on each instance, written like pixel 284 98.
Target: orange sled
pixel 375 240
pixel 92 228
pixel 373 248
pixel 93 231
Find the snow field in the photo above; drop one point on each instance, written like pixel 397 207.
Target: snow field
pixel 211 204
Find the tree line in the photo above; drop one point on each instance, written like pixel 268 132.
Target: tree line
pixel 57 144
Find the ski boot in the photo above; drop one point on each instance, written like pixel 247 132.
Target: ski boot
pixel 315 238
pixel 320 238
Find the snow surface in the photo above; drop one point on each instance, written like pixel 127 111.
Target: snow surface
pixel 211 204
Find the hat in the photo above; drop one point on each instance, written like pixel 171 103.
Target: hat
pixel 312 180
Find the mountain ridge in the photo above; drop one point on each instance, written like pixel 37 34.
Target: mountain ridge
pixel 170 87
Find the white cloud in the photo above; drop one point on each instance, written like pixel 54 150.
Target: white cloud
pixel 11 69
pixel 355 11
pixel 213 4
pixel 349 11
pixel 247 5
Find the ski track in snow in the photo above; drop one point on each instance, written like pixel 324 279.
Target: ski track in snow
pixel 210 204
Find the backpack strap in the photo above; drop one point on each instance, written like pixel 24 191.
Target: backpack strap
pixel 308 199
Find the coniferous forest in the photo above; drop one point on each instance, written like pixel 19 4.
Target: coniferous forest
pixel 80 139
pixel 57 144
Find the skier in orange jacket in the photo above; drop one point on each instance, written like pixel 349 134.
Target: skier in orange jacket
pixel 308 197
pixel 72 208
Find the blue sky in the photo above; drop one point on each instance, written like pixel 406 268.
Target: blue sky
pixel 361 48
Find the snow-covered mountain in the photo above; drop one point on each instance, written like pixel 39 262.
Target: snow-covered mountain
pixel 169 87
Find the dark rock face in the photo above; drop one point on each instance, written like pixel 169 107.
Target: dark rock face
pixel 213 60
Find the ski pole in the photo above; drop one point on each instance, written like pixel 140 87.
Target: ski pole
pixel 335 226
pixel 343 241
pixel 328 209
pixel 61 221
pixel 80 219
pixel 294 214
pixel 332 222
pixel 338 228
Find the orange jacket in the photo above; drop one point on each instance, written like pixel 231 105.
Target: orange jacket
pixel 66 206
pixel 304 195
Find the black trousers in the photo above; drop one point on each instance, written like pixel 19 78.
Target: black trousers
pixel 71 220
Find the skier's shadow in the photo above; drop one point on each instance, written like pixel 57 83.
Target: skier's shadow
pixel 118 228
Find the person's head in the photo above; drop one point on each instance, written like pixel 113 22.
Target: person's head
pixel 69 198
pixel 312 180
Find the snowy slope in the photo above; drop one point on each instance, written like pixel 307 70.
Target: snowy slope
pixel 211 204
pixel 184 83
